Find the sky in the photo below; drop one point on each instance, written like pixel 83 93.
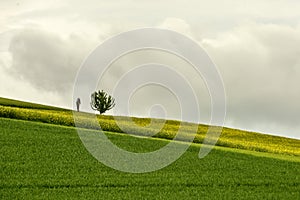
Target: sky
pixel 254 44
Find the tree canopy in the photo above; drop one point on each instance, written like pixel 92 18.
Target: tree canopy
pixel 101 101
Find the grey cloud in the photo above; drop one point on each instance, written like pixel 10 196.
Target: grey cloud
pixel 260 67
pixel 46 60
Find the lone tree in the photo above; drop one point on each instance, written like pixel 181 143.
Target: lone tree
pixel 101 101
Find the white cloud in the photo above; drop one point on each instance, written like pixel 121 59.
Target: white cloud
pixel 176 24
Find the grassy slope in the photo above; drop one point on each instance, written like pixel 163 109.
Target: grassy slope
pixel 41 161
pixel 229 138
pixel 23 104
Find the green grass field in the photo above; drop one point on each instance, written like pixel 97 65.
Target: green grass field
pixel 22 104
pixel 48 161
pixel 233 138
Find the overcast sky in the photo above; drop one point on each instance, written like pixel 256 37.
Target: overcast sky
pixel 255 45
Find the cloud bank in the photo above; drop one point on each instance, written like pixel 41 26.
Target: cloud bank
pixel 260 67
pixel 255 45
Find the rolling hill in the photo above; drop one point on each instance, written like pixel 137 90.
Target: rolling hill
pixel 43 157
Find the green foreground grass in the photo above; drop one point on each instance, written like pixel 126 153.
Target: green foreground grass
pixel 44 161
